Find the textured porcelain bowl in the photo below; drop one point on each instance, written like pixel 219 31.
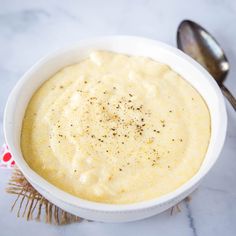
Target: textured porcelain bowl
pixel 178 61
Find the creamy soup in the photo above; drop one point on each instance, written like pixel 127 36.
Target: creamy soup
pixel 116 129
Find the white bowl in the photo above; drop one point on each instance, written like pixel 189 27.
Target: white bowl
pixel 178 61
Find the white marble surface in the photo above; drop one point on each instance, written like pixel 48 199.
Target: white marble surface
pixel 31 29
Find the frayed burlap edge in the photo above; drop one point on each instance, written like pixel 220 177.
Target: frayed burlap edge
pixel 30 204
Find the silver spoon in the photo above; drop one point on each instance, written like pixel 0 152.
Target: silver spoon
pixel 201 46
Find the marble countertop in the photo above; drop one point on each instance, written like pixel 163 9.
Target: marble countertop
pixel 31 29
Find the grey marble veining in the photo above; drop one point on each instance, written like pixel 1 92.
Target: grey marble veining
pixel 31 29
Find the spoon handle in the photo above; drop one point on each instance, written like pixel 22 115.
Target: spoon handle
pixel 229 96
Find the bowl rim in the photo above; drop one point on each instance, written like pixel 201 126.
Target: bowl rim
pixel 67 198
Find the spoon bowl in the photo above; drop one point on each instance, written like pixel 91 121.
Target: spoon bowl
pixel 198 43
